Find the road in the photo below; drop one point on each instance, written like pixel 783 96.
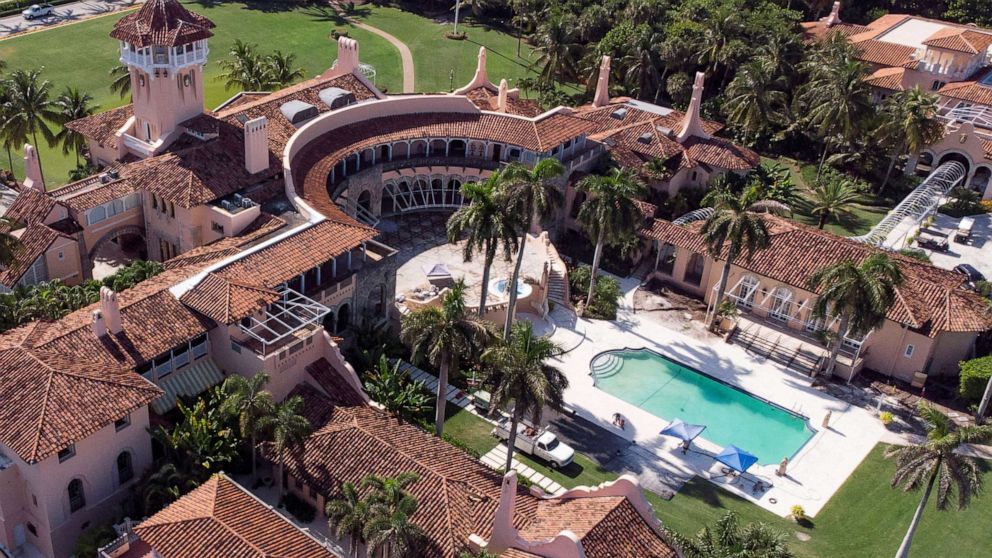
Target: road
pixel 65 13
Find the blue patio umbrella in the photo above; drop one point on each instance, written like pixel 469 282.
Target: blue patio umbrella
pixel 682 430
pixel 736 458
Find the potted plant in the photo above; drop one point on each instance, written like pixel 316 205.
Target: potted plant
pixel 728 313
pixel 798 513
pixel 886 418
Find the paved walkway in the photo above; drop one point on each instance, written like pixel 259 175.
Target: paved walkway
pixel 496 459
pixel 66 13
pixel 406 57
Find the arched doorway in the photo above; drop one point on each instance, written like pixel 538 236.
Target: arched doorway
pixel 343 318
pixel 117 249
pixel 980 182
pixel 955 156
pixel 365 202
pixel 125 470
pixel 456 148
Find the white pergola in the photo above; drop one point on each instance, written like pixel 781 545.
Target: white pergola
pixel 284 317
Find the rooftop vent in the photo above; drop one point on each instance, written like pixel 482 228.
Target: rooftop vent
pixel 619 114
pixel 104 178
pixel 298 112
pixel 112 173
pixel 645 137
pixel 667 132
pixel 335 97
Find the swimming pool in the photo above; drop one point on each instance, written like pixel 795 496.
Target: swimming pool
pixel 670 390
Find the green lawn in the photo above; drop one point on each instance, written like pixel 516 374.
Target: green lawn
pixel 864 519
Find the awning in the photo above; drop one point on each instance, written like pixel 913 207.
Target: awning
pixel 190 382
pixel 736 458
pixel 683 430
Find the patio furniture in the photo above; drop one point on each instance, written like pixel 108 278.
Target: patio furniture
pixel 919 379
pixel 683 431
pixel 963 232
pixel 738 460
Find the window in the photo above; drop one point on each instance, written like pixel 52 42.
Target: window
pixel 32 529
pixel 61 255
pixel 67 453
pixel 694 175
pixel 781 302
pixel 77 500
pixel 937 84
pixel 163 366
pixel 122 423
pixel 96 215
pixel 154 201
pixel 694 271
pixel 908 353
pixel 199 345
pixel 745 293
pixel 124 470
pixel 666 259
pixel 216 227
pixel 180 357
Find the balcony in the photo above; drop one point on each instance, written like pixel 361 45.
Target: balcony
pixel 286 321
pixel 173 59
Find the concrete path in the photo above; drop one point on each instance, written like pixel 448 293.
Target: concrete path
pixel 66 13
pixel 496 459
pixel 406 57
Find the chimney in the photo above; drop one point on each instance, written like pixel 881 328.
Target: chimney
pixel 347 55
pixel 99 326
pixel 504 534
pixel 110 310
pixel 834 17
pixel 481 73
pixel 32 169
pixel 257 145
pixel 501 100
pixel 602 97
pixel 692 124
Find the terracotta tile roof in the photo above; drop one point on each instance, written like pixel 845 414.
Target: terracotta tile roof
pixel 35 240
pixel 971 89
pixel 970 42
pixel 93 192
pixel 225 301
pixel 221 519
pixel 333 384
pixel 608 119
pixel 884 53
pixel 720 153
pixel 30 206
pixel 486 99
pixel 102 126
pixel 930 299
pixel 608 527
pixel 261 227
pixel 814 30
pixel 162 22
pixel 887 78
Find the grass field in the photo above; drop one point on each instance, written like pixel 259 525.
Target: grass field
pixel 864 519
pixel 82 53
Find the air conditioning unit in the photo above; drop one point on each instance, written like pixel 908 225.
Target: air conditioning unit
pixel 113 173
pixel 246 202
pixel 104 178
pixel 227 205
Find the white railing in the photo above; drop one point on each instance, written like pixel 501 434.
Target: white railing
pixel 172 59
pixel 141 147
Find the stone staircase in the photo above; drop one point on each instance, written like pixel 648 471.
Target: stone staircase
pixel 778 347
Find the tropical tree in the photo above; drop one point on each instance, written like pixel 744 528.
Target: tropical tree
pixel 72 104
pixel 442 336
pixel 736 222
pixel 285 428
pixel 10 245
pixel 347 517
pixel 728 538
pixel 164 486
pixel 858 294
pixel 520 373
pixel 389 528
pixel 390 387
pixel 247 399
pixel 909 125
pixel 837 102
pixel 200 444
pixel 487 226
pixel 610 212
pixel 642 77
pixel 533 196
pixel 938 462
pixel 246 69
pixel 120 80
pixel 282 70
pixel 755 99
pixel 5 111
pixel 558 51
pixel 832 195
pixel 30 109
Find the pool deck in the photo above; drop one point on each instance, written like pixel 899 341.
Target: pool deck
pixel 816 472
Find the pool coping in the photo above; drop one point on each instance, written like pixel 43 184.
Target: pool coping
pixel 804 418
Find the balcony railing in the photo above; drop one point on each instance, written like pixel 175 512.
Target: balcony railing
pixel 172 59
pixel 283 319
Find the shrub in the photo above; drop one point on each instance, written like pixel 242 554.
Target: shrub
pixel 798 512
pixel 605 300
pixel 93 539
pixel 986 205
pixel 984 288
pixel 300 509
pixel 916 254
pixel 975 374
pixel 886 417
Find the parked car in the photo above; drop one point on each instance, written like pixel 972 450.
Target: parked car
pixel 537 442
pixel 38 10
pixel 970 272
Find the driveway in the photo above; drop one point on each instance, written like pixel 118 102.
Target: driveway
pixel 12 25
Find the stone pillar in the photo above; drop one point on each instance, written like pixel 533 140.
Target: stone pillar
pixel 692 123
pixel 32 169
pixel 602 97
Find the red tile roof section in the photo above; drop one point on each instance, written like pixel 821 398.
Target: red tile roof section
pixel 163 23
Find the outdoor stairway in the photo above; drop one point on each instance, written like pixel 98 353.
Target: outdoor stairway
pixel 605 366
pixel 780 349
pixel 557 283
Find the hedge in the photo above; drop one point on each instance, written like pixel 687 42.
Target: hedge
pixel 975 376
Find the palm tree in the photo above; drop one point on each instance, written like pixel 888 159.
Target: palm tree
pixel 165 486
pixel 838 102
pixel 30 110
pixel 610 212
pixel 389 491
pixel 534 197
pixel 938 459
pixel 391 530
pixel 120 80
pixel 246 69
pixel 736 223
pixel 641 62
pixel 442 336
pixel 859 295
pixel 520 373
pixel 10 245
pixel 729 538
pixel 909 124
pixel 72 104
pixel 286 429
pixel 248 399
pixel 754 99
pixel 347 517
pixel 5 111
pixel 390 387
pixel 487 225
pixel 831 195
pixel 557 49
pixel 281 70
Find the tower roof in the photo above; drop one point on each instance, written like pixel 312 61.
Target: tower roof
pixel 162 22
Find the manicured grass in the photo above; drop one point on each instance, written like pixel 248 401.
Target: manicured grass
pixel 864 519
pixel 469 429
pixel 81 54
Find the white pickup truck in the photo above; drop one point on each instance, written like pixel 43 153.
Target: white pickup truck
pixel 537 442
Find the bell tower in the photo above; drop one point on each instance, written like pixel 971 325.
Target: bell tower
pixel 164 47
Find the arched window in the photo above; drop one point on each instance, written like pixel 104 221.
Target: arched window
pixel 343 319
pixel 125 471
pixel 781 302
pixel 694 271
pixel 745 292
pixel 666 258
pixel 77 500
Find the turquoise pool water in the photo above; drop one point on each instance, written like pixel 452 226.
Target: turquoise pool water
pixel 670 390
